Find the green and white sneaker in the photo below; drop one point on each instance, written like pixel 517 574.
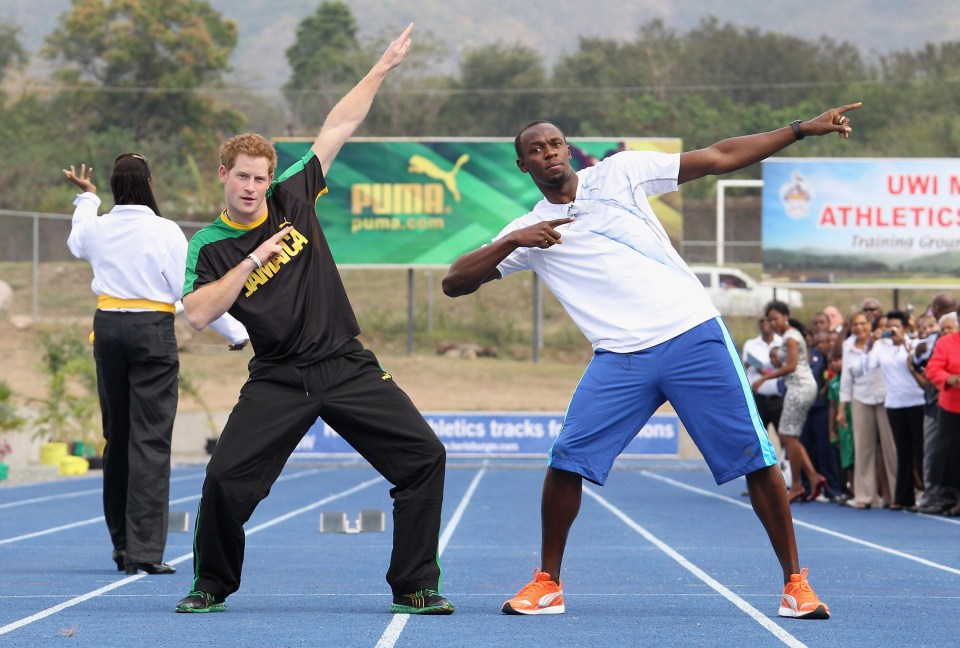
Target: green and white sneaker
pixel 425 601
pixel 200 602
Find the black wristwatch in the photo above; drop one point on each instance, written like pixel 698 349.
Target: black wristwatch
pixel 795 125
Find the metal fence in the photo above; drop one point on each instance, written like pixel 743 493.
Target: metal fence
pixel 34 254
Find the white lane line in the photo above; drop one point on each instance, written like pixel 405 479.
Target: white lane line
pixel 812 527
pixel 64 527
pixel 392 632
pixel 48 498
pixel 92 491
pixel 753 612
pixel 10 627
pixel 74 525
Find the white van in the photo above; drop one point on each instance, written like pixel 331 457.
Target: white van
pixel 737 294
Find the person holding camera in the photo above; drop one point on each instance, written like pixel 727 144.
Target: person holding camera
pixel 904 403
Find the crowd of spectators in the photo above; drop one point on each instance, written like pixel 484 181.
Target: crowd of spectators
pixel 866 408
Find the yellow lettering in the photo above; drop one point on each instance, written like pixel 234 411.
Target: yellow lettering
pixel 267 271
pixel 260 276
pixel 380 196
pixel 253 281
pixel 299 240
pixel 385 199
pixel 432 199
pixel 359 198
pixel 409 199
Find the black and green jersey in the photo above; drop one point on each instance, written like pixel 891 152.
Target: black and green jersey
pixel 295 308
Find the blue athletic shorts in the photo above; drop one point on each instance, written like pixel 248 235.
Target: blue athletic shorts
pixel 699 372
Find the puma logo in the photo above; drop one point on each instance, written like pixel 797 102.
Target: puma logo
pixel 548 599
pixel 420 164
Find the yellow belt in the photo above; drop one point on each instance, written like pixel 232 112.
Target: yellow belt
pixel 106 301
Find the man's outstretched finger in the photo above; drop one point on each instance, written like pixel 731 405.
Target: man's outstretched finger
pixel 561 221
pixel 279 235
pixel 849 107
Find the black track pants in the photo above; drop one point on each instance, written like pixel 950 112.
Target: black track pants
pixel 137 367
pixel 276 408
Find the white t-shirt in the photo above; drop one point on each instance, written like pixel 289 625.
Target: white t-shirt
pixel 902 388
pixel 756 349
pixel 134 253
pixel 855 384
pixel 616 272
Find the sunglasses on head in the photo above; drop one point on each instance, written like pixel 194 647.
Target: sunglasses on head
pixel 133 155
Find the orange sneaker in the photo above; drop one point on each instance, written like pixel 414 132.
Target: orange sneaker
pixel 539 596
pixel 800 601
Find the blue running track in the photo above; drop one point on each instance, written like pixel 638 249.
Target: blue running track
pixel 661 556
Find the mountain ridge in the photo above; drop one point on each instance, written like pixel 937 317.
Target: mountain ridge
pixel 553 29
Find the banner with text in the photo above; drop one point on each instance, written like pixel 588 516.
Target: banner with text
pixel 502 434
pixel 426 202
pixel 861 218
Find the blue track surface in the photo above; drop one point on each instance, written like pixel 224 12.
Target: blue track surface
pixel 660 556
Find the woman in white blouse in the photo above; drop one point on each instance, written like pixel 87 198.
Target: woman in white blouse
pixel 871 428
pixel 138 261
pixel 904 401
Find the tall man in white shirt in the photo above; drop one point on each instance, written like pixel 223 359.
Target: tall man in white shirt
pixel 597 244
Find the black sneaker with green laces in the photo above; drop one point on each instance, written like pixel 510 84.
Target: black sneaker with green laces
pixel 201 602
pixel 425 601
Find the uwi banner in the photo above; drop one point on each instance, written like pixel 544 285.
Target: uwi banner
pixel 502 434
pixel 872 219
pixel 425 202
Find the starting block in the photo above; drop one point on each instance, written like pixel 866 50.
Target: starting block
pixel 178 521
pixel 369 520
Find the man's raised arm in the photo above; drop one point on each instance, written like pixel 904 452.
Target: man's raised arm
pixel 350 111
pixel 739 152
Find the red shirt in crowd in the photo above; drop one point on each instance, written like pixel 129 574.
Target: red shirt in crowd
pixel 945 362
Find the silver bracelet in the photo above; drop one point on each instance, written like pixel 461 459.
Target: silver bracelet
pixel 256 261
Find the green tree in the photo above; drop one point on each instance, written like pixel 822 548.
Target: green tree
pixel 500 88
pixel 921 99
pixel 143 66
pixel 748 65
pixel 326 60
pixel 413 98
pixel 12 53
pixel 595 83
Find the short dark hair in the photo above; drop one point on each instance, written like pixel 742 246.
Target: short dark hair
pixel 516 140
pixel 898 315
pixel 778 306
pixel 130 182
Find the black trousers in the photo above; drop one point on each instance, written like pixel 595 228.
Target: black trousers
pixel 137 369
pixel 769 409
pixel 276 408
pixel 946 465
pixel 907 426
pixel 815 438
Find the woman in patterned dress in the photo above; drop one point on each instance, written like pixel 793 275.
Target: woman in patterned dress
pixel 801 392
